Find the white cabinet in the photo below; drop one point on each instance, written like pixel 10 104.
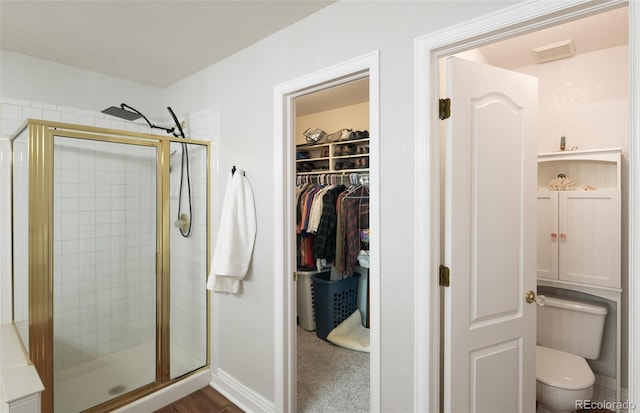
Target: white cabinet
pixel 579 231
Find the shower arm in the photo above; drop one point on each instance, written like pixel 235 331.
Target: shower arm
pixel 151 125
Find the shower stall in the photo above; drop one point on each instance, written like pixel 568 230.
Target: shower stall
pixel 109 295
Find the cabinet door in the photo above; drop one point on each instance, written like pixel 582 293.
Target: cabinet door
pixel 547 252
pixel 589 237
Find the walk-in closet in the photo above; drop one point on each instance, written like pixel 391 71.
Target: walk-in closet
pixel 332 240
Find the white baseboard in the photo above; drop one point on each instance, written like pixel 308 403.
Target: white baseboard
pixel 242 396
pixel 168 394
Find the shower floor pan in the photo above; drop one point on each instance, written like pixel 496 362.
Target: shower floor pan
pixel 85 385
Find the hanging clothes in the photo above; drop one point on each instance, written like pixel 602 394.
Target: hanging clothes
pixel 354 217
pixel 305 239
pixel 325 243
pixel 331 224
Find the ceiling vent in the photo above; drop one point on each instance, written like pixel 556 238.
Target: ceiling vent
pixel 555 51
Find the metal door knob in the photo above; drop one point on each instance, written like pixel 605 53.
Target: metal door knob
pixel 531 297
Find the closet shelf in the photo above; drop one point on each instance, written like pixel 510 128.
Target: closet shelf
pixel 333 157
pixel 337 172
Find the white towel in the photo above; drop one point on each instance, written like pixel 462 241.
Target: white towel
pixel 236 236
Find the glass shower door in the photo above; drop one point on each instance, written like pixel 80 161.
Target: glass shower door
pixel 188 245
pixel 104 282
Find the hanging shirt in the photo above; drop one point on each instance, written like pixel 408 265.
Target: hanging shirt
pixel 325 244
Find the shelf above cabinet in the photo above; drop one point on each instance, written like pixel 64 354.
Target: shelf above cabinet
pixel 595 168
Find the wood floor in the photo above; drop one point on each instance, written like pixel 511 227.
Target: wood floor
pixel 208 400
pixel 205 400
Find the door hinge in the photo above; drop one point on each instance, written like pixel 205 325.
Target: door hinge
pixel 445 108
pixel 295 276
pixel 445 279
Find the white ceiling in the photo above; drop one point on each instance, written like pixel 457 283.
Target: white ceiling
pixel 600 31
pixel 150 42
pixel 159 42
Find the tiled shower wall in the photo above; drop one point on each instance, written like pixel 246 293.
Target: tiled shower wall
pixel 84 336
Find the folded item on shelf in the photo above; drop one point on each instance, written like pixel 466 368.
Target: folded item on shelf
pixel 341 135
pixel 360 134
pixel 315 135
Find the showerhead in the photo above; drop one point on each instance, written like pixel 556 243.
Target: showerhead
pixel 122 113
pixel 127 112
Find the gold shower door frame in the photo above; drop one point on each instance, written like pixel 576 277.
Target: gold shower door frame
pixel 40 143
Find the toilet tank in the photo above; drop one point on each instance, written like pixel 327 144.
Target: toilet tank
pixel 570 325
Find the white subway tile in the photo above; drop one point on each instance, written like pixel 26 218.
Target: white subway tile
pixel 87 204
pixel 103 230
pixel 11 112
pixel 69 118
pixel 87 245
pixel 9 127
pixel 51 115
pixel 87 120
pixel 31 113
pixel 88 176
pixel 87 231
pixel 71 247
pixel 69 232
pixel 44 106
pixel 86 190
pixel 102 217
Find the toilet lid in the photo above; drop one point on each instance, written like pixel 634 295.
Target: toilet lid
pixel 563 370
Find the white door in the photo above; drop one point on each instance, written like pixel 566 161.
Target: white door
pixel 490 240
pixel 547 235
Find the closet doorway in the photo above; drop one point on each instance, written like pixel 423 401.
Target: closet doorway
pixel 313 373
pixel 332 178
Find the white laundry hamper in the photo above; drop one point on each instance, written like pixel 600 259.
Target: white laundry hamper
pixel 306 303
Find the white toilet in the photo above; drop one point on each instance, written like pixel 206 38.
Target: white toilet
pixel 568 331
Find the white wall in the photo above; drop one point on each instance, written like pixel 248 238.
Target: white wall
pixel 242 87
pixel 28 78
pixel 585 98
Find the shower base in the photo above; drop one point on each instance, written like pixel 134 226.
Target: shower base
pixel 83 386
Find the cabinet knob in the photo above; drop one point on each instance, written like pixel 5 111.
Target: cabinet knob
pixel 554 235
pixel 563 235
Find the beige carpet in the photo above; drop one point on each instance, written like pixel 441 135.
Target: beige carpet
pixel 331 379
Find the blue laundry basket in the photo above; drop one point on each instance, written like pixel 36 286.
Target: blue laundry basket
pixel 334 301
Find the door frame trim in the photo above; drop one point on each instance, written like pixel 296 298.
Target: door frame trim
pixel 284 170
pixel 428 49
